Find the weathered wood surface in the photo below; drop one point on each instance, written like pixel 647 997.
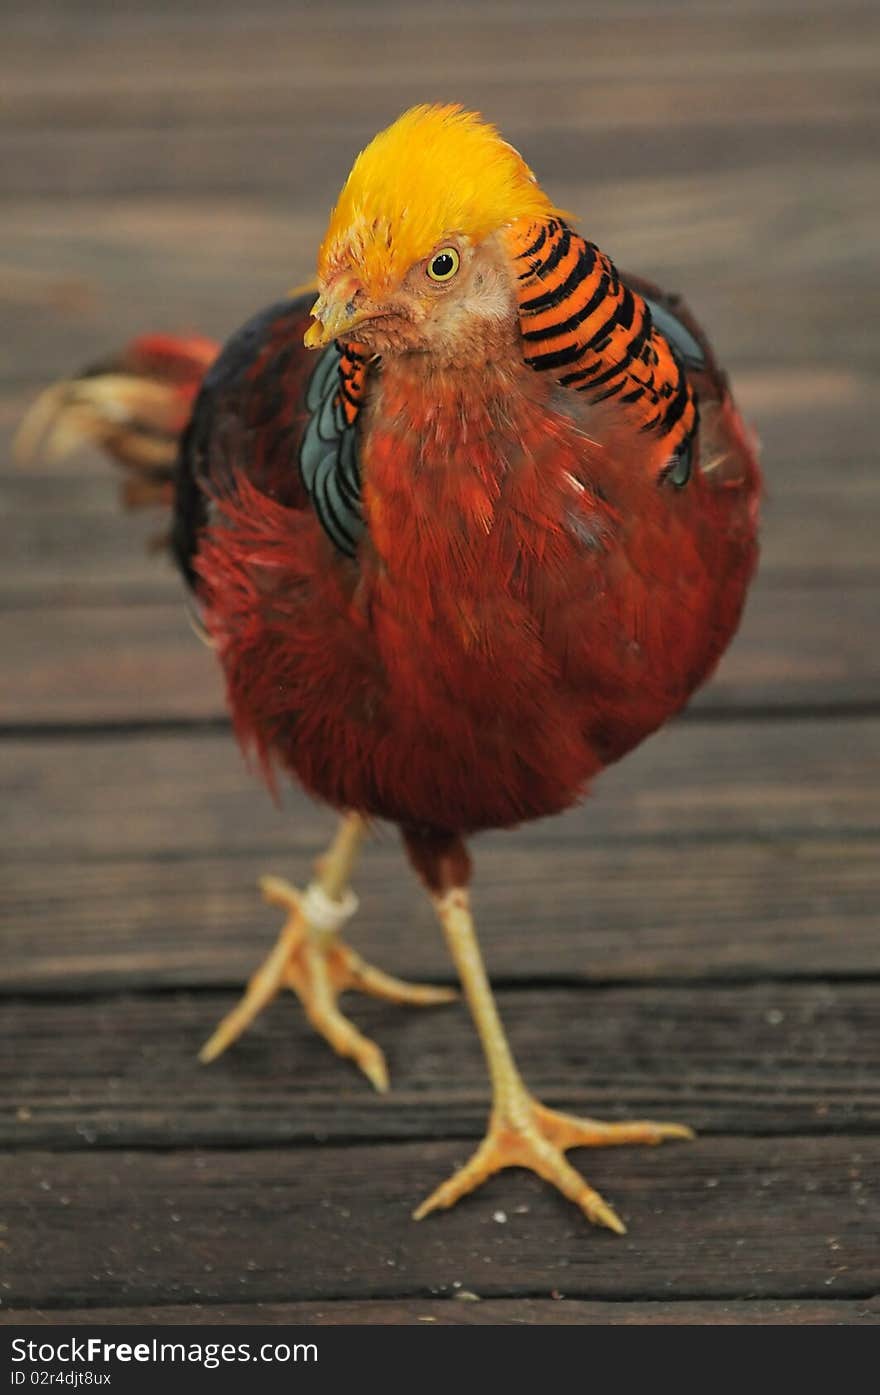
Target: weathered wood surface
pixel 790 907
pixel 446 1312
pixel 758 1059
pixel 699 941
pixel 719 1218
pixel 720 849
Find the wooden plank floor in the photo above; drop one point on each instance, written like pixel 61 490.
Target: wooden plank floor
pixel 699 941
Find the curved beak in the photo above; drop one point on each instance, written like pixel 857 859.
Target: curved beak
pixel 337 312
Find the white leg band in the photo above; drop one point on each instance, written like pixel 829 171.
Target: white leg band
pixel 324 914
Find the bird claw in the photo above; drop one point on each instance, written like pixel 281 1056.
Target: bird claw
pixel 525 1133
pixel 318 966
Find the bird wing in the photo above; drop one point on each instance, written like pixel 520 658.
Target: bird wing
pixel 281 417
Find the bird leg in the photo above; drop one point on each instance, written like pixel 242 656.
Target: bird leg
pixel 522 1132
pixel 310 958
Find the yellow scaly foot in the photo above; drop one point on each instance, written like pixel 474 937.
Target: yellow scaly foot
pixel 311 959
pixel 525 1133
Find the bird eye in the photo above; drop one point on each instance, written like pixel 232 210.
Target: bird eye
pixel 444 264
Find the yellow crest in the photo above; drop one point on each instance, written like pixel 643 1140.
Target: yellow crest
pixel 436 170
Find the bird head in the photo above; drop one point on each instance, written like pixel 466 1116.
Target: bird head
pixel 414 258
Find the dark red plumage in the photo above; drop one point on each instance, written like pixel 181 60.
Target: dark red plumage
pixel 453 566
pixel 504 633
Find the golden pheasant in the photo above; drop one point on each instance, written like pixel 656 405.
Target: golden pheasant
pixel 463 531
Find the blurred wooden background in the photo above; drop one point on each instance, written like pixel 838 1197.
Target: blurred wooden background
pixel 699 942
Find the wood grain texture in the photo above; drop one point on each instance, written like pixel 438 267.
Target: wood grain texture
pixel 718 1218
pixel 758 1059
pixel 447 1312
pixel 693 859
pixel 699 940
pixel 724 909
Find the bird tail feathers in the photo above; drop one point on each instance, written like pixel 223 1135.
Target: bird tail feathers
pixel 134 405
